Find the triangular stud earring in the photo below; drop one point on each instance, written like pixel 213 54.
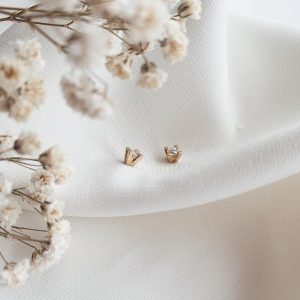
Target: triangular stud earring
pixel 173 154
pixel 132 157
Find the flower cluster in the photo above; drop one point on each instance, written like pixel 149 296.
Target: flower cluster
pixel 49 243
pixel 21 88
pixel 108 34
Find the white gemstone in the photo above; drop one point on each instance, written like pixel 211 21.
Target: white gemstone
pixel 173 151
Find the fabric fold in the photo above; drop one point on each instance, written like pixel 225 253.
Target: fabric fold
pixel 219 160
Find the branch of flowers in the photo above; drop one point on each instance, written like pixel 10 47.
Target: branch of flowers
pixel 25 20
pixel 17 13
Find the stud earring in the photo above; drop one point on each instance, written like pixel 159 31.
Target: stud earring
pixel 132 157
pixel 173 154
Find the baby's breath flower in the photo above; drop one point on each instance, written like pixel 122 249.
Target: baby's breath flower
pixel 52 158
pixel 42 177
pixel 84 95
pixel 146 20
pixel 9 212
pixel 29 52
pixel 175 44
pixel 20 109
pixel 39 192
pixel 33 91
pixel 59 235
pixel 27 143
pixel 11 74
pixel 62 173
pixel 151 77
pixel 15 274
pixel 89 47
pixel 190 8
pixel 53 211
pixel 5 186
pixel 120 65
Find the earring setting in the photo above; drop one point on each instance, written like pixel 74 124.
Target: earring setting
pixel 132 157
pixel 173 154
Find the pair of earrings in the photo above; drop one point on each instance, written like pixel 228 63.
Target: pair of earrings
pixel 132 157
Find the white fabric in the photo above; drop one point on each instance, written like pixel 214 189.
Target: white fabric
pixel 195 113
pixel 246 247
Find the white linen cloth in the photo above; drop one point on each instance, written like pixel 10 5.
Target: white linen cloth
pixel 243 248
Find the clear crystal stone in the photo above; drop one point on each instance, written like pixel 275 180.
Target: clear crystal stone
pixel 173 151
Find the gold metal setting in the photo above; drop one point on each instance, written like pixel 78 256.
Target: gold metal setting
pixel 173 154
pixel 132 157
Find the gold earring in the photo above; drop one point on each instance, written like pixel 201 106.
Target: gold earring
pixel 132 157
pixel 174 154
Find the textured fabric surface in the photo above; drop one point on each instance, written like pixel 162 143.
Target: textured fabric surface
pixel 244 247
pixel 195 113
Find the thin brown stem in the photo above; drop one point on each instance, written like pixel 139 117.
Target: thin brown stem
pixel 20 194
pixel 47 36
pixel 23 238
pixel 19 232
pixel 2 256
pixel 29 229
pixel 32 246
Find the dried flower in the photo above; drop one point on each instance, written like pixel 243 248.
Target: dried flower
pixel 20 109
pixel 190 8
pixel 146 20
pixel 33 91
pixel 15 274
pixel 9 212
pixel 51 243
pixel 5 186
pixel 62 173
pixel 27 143
pixel 29 52
pixel 43 177
pixel 53 211
pixel 52 158
pixel 84 95
pixel 11 74
pixel 89 47
pixel 120 65
pixel 175 44
pixel 151 77
pixel 21 89
pixel 59 241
